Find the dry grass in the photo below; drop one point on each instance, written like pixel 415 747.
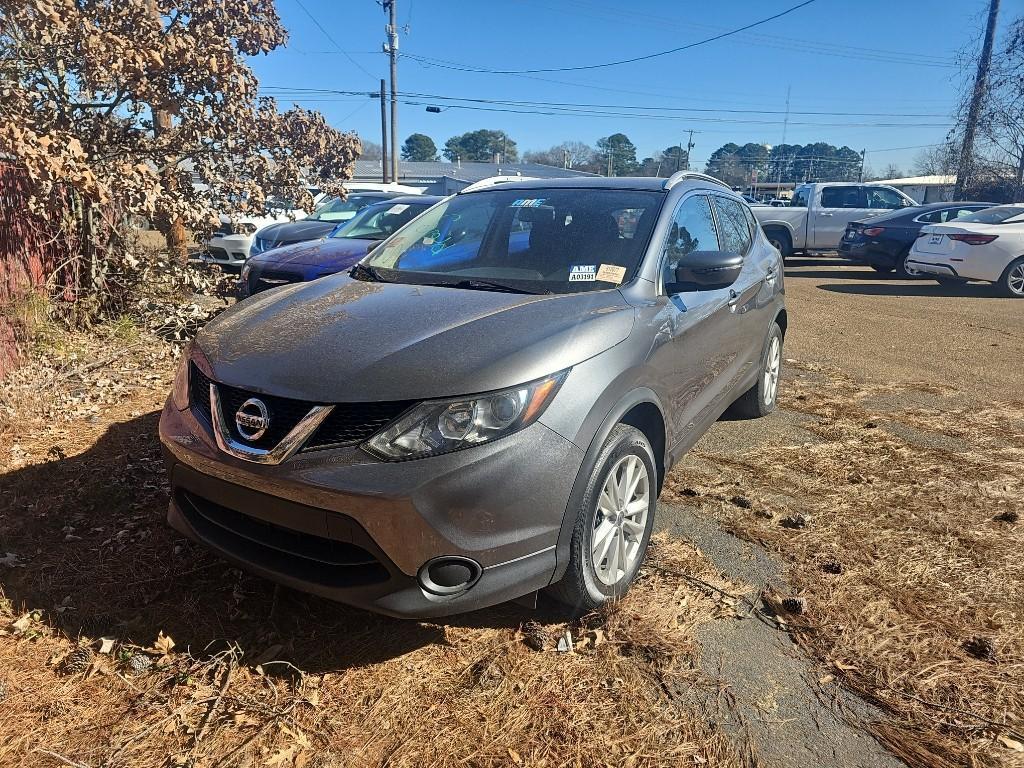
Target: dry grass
pixel 916 507
pixel 266 677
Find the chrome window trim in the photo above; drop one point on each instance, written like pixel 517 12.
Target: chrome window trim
pixel 289 444
pixel 973 209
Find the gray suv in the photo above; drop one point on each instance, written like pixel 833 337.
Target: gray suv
pixel 487 404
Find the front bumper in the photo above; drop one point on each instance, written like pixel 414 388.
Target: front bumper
pixel 232 250
pixel 340 524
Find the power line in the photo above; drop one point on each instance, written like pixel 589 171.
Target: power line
pixel 634 59
pixel 564 105
pixel 333 42
pixel 775 41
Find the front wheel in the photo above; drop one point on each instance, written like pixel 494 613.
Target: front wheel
pixel 613 524
pixel 1011 282
pixel 761 399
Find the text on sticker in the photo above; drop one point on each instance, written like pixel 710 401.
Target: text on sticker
pixel 529 203
pixel 582 273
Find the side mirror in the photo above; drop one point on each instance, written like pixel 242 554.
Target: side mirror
pixel 707 270
pixel 373 245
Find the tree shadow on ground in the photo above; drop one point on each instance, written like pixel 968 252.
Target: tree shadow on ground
pixel 98 557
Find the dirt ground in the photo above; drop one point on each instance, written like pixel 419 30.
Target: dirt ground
pixel 837 585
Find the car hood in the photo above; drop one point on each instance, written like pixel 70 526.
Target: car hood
pixel 344 340
pixel 329 252
pixel 296 231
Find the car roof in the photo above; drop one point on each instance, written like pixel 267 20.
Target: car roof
pixel 644 183
pixel 638 183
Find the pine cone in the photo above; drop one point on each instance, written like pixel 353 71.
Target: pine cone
pixel 77 661
pixel 535 636
pixel 139 664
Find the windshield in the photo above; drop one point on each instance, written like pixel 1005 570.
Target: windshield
pixel 376 222
pixel 1001 214
pixel 337 209
pixel 534 241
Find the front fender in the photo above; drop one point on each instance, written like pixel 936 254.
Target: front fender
pixel 579 487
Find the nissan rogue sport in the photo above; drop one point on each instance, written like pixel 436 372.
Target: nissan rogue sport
pixel 487 404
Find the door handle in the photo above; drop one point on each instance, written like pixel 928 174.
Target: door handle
pixel 826 214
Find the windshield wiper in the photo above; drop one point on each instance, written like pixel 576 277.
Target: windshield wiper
pixel 365 272
pixel 489 285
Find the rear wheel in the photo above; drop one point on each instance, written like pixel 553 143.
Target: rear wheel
pixel 1011 282
pixel 761 399
pixel 613 524
pixel 780 240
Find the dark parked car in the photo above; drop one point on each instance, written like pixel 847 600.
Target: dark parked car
pixel 342 248
pixel 319 223
pixel 884 241
pixel 430 439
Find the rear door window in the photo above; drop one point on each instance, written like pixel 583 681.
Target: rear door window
pixel 799 198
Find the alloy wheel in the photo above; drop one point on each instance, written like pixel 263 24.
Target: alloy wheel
pixel 1015 280
pixel 621 520
pixel 772 364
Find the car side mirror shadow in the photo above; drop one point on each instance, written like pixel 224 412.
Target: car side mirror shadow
pixel 706 271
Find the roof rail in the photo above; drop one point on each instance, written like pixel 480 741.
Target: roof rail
pixel 679 176
pixel 493 181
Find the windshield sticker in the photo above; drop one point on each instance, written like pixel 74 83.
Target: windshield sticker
pixel 529 203
pixel 583 273
pixel 397 208
pixel 611 273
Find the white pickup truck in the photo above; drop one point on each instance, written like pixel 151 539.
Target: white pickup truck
pixel 816 217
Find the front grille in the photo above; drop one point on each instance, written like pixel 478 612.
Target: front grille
pixel 348 423
pixel 351 423
pixel 218 253
pixel 303 555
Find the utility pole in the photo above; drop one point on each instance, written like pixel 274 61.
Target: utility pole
pixel 863 157
pixel 980 86
pixel 689 148
pixel 392 49
pixel 565 158
pixel 383 136
pixel 785 125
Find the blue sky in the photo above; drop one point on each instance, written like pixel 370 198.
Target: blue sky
pixel 890 57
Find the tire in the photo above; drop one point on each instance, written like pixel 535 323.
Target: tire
pixel 762 398
pixel 903 272
pixel 587 585
pixel 780 240
pixel 882 270
pixel 1011 282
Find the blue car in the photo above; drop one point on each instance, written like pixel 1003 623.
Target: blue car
pixel 343 247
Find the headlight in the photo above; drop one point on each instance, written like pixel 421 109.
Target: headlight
pixel 442 426
pixel 244 228
pixel 179 390
pixel 246 269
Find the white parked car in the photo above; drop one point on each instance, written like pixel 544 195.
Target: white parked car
pixel 987 245
pixel 232 240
